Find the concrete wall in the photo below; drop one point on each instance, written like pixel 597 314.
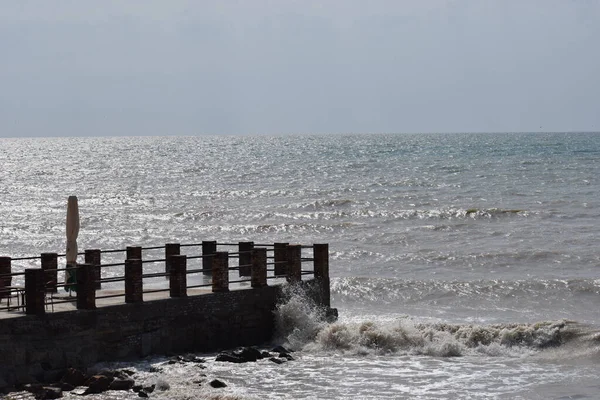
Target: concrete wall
pixel 41 347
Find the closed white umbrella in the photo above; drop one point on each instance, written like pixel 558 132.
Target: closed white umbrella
pixel 72 233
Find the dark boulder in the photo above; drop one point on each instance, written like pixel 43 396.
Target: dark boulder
pixel 98 384
pixel 74 377
pixel 217 384
pixel 49 392
pixel 121 384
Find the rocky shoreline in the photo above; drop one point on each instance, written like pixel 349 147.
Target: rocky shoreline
pixel 81 383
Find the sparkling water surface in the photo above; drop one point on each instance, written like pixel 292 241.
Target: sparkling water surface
pixel 488 234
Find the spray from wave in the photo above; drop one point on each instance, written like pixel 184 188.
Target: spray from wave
pixel 302 325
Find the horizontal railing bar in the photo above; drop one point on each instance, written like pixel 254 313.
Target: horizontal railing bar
pixel 153 248
pixel 200 256
pixel 109 280
pixel 111 265
pixel 155 275
pixel 202 285
pixel 241 281
pixel 108 296
pixel 113 251
pixel 156 290
pixel 195 271
pixel 190 245
pixel 156 260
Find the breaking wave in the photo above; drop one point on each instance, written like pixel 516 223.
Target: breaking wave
pixel 302 325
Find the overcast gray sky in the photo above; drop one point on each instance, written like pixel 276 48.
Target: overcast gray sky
pixel 157 67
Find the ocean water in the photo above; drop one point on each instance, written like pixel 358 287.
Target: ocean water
pixel 463 265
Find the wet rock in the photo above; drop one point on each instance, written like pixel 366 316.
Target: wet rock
pixel 121 384
pixel 149 389
pixel 241 355
pixel 277 360
pixel 66 387
pixel 49 392
pixel 280 349
pixel 226 357
pixel 74 377
pixel 287 356
pixel 142 393
pixel 217 384
pixel 248 354
pixel 137 388
pixel 98 384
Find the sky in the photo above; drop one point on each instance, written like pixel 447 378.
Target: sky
pixel 154 67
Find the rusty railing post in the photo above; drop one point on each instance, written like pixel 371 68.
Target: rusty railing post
pixel 220 272
pixel 86 287
pixel 171 249
pixel 280 259
pixel 50 266
pixel 178 277
pixel 294 272
pixel 35 291
pixel 321 267
pixel 259 268
pixel 245 260
pixel 5 277
pixel 133 281
pixel 209 248
pixel 94 257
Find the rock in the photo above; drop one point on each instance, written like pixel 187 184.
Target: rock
pixel 217 384
pixel 149 389
pixel 241 355
pixel 277 360
pixel 66 387
pixel 287 356
pixel 98 384
pixel 280 349
pixel 248 354
pixel 32 387
pixel 137 388
pixel 265 354
pixel 127 372
pixel 49 392
pixel 142 393
pixel 226 357
pixel 121 384
pixel 74 377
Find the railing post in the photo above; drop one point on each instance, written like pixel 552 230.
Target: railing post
pixel 35 291
pixel 133 281
pixel 209 248
pixel 134 253
pixel 94 257
pixel 6 280
pixel 171 249
pixel 86 288
pixel 259 268
pixel 245 260
pixel 220 272
pixel 280 258
pixel 321 267
pixel 50 265
pixel 178 277
pixel 294 270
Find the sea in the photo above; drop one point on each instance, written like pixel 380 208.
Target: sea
pixel 463 266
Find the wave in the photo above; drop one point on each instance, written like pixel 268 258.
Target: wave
pixel 301 325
